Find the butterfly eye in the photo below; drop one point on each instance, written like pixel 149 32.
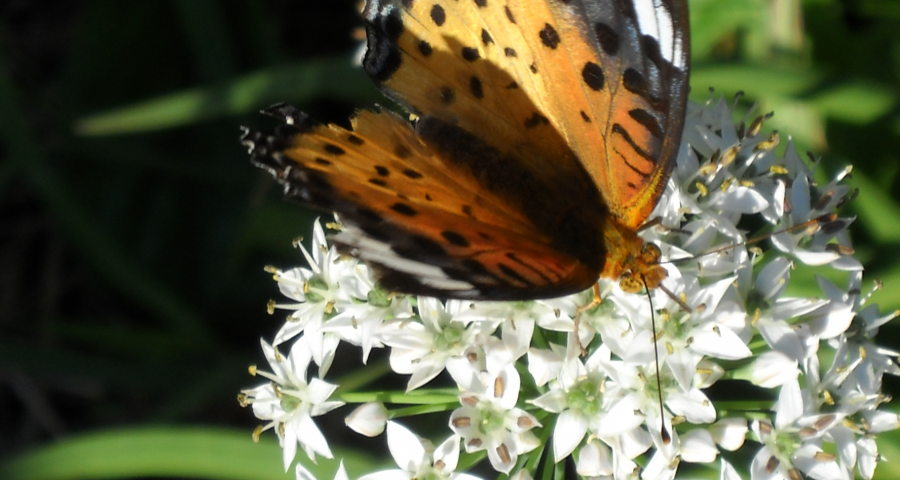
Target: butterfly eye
pixel 630 284
pixel 650 254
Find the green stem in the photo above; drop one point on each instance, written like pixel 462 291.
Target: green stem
pixel 421 410
pixel 401 398
pixel 363 376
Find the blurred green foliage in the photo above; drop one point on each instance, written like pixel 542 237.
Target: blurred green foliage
pixel 135 231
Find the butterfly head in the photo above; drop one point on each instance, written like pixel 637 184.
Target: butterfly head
pixel 642 270
pixel 630 261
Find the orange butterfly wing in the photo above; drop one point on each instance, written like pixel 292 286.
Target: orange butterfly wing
pixel 570 86
pixel 426 224
pixel 546 132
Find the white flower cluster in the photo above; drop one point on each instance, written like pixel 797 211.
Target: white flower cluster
pixel 603 407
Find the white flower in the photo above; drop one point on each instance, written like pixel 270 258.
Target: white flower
pixel 288 402
pixel 489 419
pixel 418 459
pixel 422 349
pixel 729 433
pixel 303 474
pixel 368 419
pixel 773 369
pixel 792 442
pixel 581 397
pixel 316 290
pixel 771 312
pixel 359 322
pixel 811 245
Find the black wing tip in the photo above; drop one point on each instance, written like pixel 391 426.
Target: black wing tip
pixel 290 115
pixel 265 145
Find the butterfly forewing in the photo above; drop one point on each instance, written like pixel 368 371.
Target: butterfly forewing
pixel 573 86
pixel 425 223
pixel 467 63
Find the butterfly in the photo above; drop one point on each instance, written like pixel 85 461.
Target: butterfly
pixel 542 135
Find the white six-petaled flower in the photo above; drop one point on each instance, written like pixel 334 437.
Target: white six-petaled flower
pixel 289 402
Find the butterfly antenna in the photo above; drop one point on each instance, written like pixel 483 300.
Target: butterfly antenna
pixel 818 221
pixel 674 298
pixel 664 433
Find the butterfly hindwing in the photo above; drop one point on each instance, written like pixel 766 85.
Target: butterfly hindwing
pixel 426 224
pixel 467 64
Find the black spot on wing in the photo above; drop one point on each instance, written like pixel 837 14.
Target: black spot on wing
pixel 447 95
pixel 455 238
pixel 334 149
pixel 425 48
pixel 475 87
pixel 511 273
pixel 549 36
pixel 404 209
pixel 536 119
pixel 486 37
pixel 593 76
pixel 608 38
pixel 634 82
pixel 427 245
pixel 512 256
pixel 509 52
pixel 412 173
pixel 438 16
pixel 652 51
pixel 620 130
pixel 382 171
pixel 470 54
pixel 647 120
pixel 509 15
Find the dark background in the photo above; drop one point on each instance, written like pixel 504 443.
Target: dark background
pixel 133 231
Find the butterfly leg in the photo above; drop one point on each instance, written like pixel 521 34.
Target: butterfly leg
pixel 584 308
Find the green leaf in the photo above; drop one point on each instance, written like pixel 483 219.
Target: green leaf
pixel 877 211
pixel 856 102
pixel 756 81
pixel 336 77
pixel 712 20
pixel 166 451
